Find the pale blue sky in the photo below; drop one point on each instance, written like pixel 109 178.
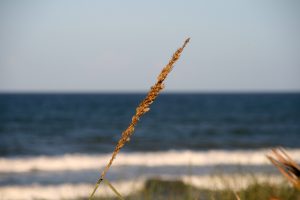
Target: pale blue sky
pixel 94 46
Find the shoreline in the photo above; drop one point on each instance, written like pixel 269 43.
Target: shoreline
pixel 213 184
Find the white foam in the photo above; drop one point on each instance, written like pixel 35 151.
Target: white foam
pixel 149 159
pixel 73 191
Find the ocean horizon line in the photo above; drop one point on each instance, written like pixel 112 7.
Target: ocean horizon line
pixel 179 92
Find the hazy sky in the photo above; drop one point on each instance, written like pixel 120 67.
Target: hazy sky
pixel 236 45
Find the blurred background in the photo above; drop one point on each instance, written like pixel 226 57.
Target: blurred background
pixel 72 73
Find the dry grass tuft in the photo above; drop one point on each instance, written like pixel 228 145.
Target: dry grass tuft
pixel 286 165
pixel 141 110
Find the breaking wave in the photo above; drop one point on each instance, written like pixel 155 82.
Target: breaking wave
pixel 149 159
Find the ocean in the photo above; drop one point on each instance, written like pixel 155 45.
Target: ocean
pixel 50 142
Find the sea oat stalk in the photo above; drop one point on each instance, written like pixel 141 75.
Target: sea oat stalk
pixel 141 110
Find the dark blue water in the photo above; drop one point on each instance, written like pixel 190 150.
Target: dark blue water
pixel 52 124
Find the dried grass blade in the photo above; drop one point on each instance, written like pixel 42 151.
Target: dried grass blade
pixel 113 189
pixel 286 165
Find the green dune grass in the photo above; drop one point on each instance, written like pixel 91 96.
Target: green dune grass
pixel 156 189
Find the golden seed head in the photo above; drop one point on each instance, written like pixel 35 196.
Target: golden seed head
pixel 142 109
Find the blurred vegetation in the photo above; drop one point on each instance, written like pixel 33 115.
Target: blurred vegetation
pixel 156 189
